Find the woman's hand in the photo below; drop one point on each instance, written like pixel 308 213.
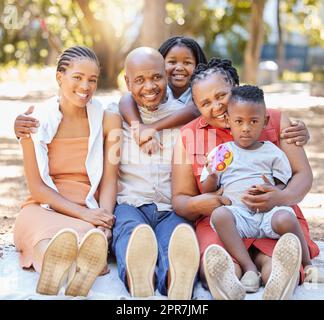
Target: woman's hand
pixel 297 133
pixel 208 202
pixel 107 232
pixel 262 197
pixel 98 217
pixel 25 124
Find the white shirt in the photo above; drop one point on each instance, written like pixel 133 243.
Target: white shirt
pixel 247 168
pixel 50 116
pixel 146 179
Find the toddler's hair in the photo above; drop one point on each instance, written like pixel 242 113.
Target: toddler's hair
pixel 186 42
pixel 76 52
pixel 247 93
pixel 215 65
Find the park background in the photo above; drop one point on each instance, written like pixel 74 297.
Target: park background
pixel 276 44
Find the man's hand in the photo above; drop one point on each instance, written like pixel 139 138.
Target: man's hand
pixel 25 124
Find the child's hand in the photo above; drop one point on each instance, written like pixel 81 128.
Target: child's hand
pixel 142 133
pixel 151 146
pixel 261 188
pixel 209 165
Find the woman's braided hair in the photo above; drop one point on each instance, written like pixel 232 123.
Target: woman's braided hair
pixel 215 65
pixel 76 52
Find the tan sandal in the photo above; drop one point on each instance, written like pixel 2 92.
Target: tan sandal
pixel 286 261
pixel 90 262
pixel 184 256
pixel 60 253
pixel 141 257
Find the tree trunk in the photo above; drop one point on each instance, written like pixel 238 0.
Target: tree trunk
pixel 106 48
pixel 254 44
pixel 280 45
pixel 154 30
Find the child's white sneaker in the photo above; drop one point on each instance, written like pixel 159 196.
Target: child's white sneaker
pixel 251 281
pixel 314 274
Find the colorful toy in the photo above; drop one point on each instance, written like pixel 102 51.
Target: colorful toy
pixel 222 158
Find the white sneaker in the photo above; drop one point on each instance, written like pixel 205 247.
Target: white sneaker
pixel 59 256
pixel 141 257
pixel 91 259
pixel 286 261
pixel 220 274
pixel 184 259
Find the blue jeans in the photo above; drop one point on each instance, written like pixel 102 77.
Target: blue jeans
pixel 162 222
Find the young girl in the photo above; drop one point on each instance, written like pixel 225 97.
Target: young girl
pixel 64 165
pixel 182 55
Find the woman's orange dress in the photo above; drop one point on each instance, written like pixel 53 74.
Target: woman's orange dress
pixel 67 169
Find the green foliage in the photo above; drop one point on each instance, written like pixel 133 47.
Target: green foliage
pixel 304 16
pixel 31 30
pixel 35 31
pixel 209 21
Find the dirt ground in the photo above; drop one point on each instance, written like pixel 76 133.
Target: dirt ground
pixel 13 188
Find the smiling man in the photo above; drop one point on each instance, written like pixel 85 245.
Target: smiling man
pixel 154 247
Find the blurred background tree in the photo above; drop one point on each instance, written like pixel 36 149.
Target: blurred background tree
pixel 35 31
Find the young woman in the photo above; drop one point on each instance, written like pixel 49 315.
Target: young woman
pixel 71 167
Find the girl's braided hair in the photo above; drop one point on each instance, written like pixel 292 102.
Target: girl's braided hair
pixel 186 42
pixel 215 65
pixel 76 52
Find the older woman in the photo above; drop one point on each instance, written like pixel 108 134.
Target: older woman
pixel 211 87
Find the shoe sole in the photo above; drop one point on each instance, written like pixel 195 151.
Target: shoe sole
pixel 286 261
pixel 141 257
pixel 183 256
pixel 252 285
pixel 220 275
pixel 249 289
pixel 61 252
pixel 91 260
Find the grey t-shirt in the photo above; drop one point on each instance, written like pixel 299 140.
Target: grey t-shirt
pixel 247 167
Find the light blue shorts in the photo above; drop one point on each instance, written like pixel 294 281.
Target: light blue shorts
pixel 255 225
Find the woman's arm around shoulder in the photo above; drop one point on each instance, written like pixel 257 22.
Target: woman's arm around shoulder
pixel 302 176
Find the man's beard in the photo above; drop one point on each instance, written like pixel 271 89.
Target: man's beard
pixel 151 108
